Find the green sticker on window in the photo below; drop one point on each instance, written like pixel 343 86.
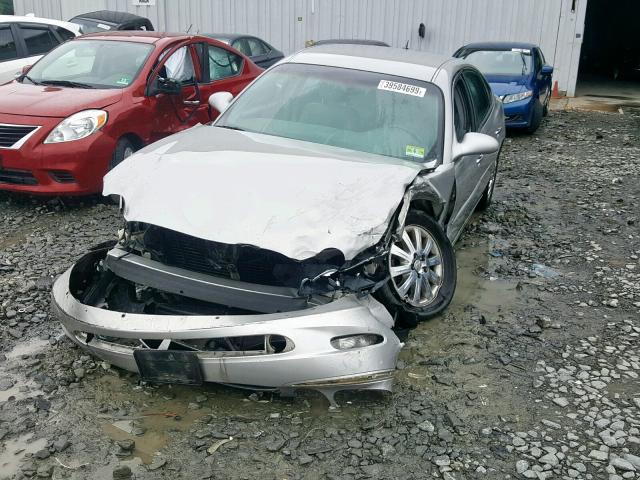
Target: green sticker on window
pixel 413 151
pixel 124 81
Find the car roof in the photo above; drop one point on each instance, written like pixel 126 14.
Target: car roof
pixel 111 16
pixel 49 21
pixel 498 45
pixel 350 41
pixel 140 36
pixel 229 37
pixel 386 60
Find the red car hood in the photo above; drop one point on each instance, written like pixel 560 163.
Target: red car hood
pixel 49 101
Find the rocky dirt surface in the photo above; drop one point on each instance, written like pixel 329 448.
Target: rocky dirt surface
pixel 531 373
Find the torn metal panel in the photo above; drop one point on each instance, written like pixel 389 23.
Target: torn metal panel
pixel 289 196
pixel 234 293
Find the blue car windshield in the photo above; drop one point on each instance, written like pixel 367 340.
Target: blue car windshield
pixel 516 61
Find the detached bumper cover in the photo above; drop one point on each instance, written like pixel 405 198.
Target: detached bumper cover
pixel 312 362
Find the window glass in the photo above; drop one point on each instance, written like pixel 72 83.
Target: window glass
pixel 64 33
pixel 223 63
pixel 501 62
pixel 38 40
pixel 242 46
pixel 92 26
pixel 356 110
pixel 179 66
pixel 479 94
pixel 92 63
pixel 7 44
pixel 538 61
pixel 461 112
pixel 257 47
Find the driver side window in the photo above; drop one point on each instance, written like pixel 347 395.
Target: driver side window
pixel 179 67
pixel 461 110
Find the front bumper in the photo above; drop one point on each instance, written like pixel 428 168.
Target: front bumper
pixel 311 363
pixel 518 114
pixel 69 168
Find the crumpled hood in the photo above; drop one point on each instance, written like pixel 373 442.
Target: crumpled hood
pixel 284 195
pixel 49 101
pixel 507 85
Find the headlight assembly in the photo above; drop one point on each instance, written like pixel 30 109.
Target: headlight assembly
pixel 517 96
pixel 77 126
pixel 355 341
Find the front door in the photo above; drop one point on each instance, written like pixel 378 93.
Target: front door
pixel 466 167
pixel 173 113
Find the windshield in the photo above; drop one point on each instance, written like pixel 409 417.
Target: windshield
pixel 516 61
pixel 91 64
pixel 363 111
pixel 92 26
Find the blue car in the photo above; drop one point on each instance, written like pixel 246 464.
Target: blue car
pixel 518 75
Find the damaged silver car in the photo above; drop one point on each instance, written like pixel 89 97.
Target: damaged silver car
pixel 278 247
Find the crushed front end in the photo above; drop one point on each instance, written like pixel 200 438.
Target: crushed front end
pixel 179 309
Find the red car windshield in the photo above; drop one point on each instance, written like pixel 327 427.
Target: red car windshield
pixel 91 64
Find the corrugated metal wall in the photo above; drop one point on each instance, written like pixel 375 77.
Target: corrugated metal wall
pixel 287 24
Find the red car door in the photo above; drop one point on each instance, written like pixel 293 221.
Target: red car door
pixel 173 112
pixel 224 70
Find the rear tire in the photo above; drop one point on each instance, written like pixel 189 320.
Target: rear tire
pixel 536 117
pixel 124 149
pixel 425 272
pixel 487 195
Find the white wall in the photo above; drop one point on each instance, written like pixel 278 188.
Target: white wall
pixel 287 24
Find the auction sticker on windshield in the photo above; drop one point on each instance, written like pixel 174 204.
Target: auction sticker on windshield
pixel 402 88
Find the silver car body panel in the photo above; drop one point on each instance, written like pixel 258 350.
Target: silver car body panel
pixel 311 363
pixel 296 198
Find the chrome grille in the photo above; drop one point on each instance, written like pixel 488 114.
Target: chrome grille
pixel 13 136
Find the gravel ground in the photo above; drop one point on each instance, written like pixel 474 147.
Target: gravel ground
pixel 531 373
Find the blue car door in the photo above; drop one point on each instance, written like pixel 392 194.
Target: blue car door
pixel 541 80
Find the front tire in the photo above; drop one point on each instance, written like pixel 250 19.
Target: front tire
pixel 536 117
pixel 422 265
pixel 124 148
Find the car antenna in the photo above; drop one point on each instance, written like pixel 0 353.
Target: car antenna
pixel 188 29
pixel 406 47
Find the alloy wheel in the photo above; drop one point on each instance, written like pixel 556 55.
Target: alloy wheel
pixel 415 266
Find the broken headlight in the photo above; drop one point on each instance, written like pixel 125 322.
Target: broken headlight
pixel 355 341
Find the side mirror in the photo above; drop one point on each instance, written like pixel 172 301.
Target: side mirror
pixel 547 70
pixel 168 86
pixel 220 101
pixel 475 144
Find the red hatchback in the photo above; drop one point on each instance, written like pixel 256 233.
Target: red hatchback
pixel 94 100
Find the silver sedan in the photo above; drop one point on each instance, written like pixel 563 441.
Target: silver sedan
pixel 278 247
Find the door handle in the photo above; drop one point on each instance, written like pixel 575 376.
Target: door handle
pixel 498 131
pixel 191 103
pixel 479 159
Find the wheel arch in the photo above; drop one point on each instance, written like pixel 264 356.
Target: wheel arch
pixel 137 142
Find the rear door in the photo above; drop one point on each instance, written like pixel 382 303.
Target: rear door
pixel 223 71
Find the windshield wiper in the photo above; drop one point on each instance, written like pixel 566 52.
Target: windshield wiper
pixel 66 83
pixel 28 78
pixel 524 63
pixel 231 127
